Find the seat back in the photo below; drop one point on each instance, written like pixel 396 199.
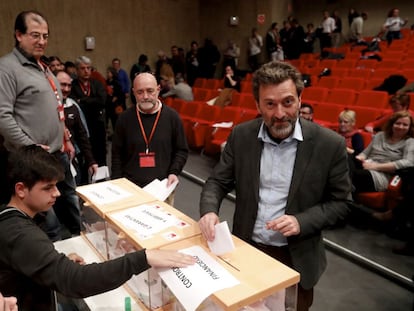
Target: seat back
pixel 314 93
pixel 345 97
pixel 373 99
pixel 328 82
pixel 352 83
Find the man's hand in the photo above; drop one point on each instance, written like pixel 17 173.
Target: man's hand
pixel 287 225
pixel 207 223
pixel 93 169
pixel 171 179
pixel 76 258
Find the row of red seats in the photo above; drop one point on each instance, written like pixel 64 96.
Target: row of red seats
pixel 326 114
pixel 211 84
pixel 199 121
pixel 395 60
pixel 243 99
pixel 347 97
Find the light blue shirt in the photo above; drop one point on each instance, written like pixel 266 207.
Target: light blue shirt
pixel 276 170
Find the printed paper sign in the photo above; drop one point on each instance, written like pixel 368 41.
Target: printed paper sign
pixel 193 284
pixel 146 220
pixel 104 193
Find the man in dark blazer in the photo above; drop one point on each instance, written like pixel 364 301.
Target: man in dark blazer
pixel 290 176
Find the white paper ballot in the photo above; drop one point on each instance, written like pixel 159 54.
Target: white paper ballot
pixel 102 173
pixel 103 193
pixel 193 284
pixel 223 124
pixel 159 188
pixel 223 242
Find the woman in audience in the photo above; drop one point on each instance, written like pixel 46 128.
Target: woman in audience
pixel 353 138
pixel 388 151
pixel 393 25
pixel 399 102
pixel 231 80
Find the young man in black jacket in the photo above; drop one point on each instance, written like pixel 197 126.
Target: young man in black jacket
pixel 30 267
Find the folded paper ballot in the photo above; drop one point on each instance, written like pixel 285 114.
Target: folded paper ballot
pixel 223 124
pixel 223 242
pixel 101 174
pixel 158 188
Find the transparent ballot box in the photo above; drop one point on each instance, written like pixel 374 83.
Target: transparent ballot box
pixel 150 226
pixel 101 198
pixel 263 283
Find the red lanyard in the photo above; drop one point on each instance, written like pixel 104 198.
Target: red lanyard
pixel 144 135
pixel 85 89
pixel 60 109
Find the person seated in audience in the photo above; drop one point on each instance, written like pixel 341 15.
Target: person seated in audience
pixel 306 112
pixel 399 102
pixel 180 90
pixel 353 138
pixel 406 89
pixel 389 150
pixel 231 81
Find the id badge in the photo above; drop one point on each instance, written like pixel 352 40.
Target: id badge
pixel 147 159
pixel 61 112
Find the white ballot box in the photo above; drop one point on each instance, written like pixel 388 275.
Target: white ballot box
pixel 263 284
pixel 113 300
pixel 101 198
pixel 120 217
pixel 149 225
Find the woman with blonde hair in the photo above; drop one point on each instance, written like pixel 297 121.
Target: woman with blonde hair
pixel 353 138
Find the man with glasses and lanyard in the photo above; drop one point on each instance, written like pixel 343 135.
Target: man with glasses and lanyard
pixel 149 140
pixel 31 112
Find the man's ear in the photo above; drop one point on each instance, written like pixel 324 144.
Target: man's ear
pixel 18 35
pixel 20 190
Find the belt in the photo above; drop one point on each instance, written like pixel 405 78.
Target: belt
pixel 267 246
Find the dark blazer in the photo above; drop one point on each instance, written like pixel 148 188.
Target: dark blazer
pixel 318 194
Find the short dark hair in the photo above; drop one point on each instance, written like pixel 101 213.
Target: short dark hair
pixel 275 73
pixel 20 24
pixel 306 105
pixel 403 99
pixel 31 164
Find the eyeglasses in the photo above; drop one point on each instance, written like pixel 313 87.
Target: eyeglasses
pixel 36 36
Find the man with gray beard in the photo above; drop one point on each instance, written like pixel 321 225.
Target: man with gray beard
pixel 290 177
pixel 148 140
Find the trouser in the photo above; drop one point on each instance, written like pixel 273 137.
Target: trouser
pixel 305 296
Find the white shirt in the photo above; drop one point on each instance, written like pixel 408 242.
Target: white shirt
pixel 328 25
pixel 394 23
pixel 276 170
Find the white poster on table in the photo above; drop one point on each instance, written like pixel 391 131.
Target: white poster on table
pixel 104 193
pixel 193 284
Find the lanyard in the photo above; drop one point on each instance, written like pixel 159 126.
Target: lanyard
pixel 144 135
pixel 85 89
pixel 60 109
